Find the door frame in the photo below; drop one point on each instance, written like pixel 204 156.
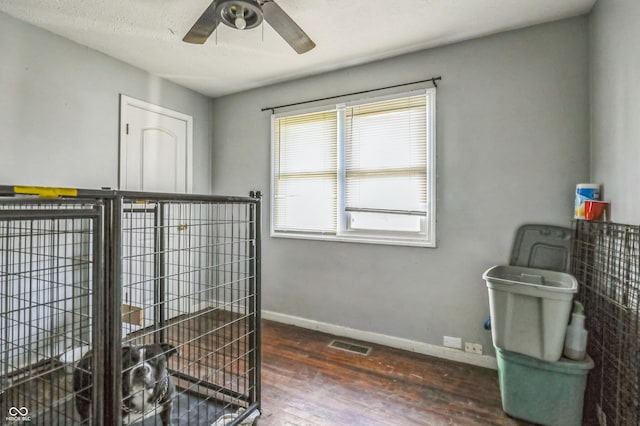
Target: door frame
pixel 126 101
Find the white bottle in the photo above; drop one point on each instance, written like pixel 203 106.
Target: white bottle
pixel 575 343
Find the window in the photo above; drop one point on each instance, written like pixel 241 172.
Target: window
pixel 361 171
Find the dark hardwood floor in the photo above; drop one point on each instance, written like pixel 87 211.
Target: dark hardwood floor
pixel 306 383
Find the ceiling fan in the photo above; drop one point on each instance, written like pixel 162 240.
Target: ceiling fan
pixel 247 14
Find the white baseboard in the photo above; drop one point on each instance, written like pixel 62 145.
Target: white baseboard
pixel 385 340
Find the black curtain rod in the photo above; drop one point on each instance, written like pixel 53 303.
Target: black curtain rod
pixel 273 108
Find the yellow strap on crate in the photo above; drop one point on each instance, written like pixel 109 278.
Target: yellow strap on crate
pixel 45 192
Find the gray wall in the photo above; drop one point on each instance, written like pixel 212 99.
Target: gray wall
pixel 512 142
pixel 512 135
pixel 59 108
pixel 615 105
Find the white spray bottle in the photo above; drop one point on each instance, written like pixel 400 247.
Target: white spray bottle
pixel 575 343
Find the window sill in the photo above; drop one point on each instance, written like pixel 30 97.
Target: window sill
pixel 409 242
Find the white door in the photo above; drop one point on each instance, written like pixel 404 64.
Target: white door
pixel 155 156
pixel 155 148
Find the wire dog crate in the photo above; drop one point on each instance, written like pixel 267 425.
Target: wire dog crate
pixel 606 262
pixel 87 274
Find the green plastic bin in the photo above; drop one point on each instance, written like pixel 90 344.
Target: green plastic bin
pixel 548 393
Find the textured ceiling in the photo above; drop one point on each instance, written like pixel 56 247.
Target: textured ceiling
pixel 148 33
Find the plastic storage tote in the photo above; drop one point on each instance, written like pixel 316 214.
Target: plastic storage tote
pixel 529 309
pixel 548 393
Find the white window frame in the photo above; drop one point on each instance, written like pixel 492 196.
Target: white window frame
pixel 426 238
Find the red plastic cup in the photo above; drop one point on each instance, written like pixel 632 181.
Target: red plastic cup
pixel 594 210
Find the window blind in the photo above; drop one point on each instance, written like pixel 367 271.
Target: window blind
pixel 386 157
pixel 305 172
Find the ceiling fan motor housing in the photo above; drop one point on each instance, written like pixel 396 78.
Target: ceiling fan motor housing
pixel 229 11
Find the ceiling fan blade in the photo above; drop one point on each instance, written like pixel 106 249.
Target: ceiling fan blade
pixel 286 27
pixel 204 26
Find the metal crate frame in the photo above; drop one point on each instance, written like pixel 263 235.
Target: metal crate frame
pixel 606 262
pixel 235 268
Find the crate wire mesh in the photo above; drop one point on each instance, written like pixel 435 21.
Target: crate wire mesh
pixel 177 270
pixel 47 272
pixel 606 262
pixel 187 281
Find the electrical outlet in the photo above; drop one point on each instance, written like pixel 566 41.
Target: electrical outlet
pixel 474 348
pixel 452 342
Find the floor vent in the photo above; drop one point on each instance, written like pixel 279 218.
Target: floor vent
pixel 350 347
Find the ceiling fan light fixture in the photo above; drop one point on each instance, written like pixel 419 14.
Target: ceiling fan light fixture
pixel 240 22
pixel 239 14
pixel 247 14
